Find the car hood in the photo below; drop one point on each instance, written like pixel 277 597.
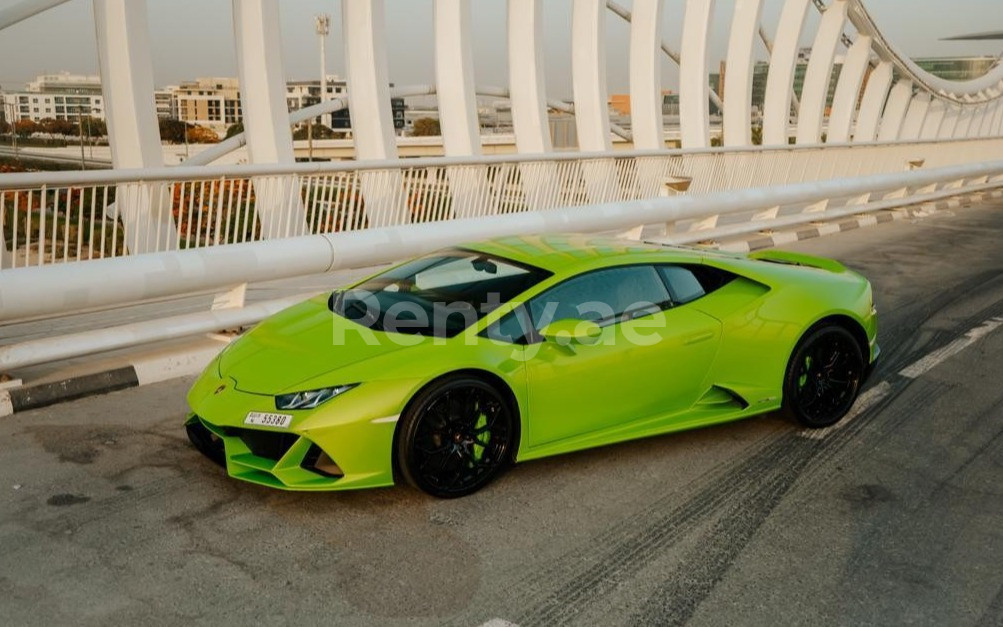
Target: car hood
pixel 301 343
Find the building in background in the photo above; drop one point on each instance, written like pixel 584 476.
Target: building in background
pixel 760 72
pixel 210 102
pixel 61 96
pixel 957 68
pixel 301 94
pixel 166 104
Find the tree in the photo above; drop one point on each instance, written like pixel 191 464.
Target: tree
pixel 319 132
pixel 202 135
pixel 25 128
pixel 234 129
pixel 426 127
pixel 57 127
pixel 172 131
pixel 94 127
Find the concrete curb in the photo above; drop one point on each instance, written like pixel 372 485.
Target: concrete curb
pixel 156 367
pixel 143 370
pixel 771 240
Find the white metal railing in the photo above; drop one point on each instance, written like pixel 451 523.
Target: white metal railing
pixel 48 218
pixel 53 290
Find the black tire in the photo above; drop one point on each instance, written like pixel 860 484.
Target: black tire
pixel 456 436
pixel 823 377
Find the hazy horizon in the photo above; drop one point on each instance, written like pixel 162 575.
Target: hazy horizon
pixel 192 38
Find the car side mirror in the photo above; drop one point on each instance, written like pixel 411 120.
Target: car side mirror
pixel 570 331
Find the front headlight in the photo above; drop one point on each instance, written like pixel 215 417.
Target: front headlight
pixel 311 398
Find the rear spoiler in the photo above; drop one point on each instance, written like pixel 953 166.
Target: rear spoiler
pixel 797 259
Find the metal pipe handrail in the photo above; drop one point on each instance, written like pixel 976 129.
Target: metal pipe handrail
pixel 25 180
pixel 42 290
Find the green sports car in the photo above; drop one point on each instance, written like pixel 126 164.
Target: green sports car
pixel 444 370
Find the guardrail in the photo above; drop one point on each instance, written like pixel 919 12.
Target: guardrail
pixel 49 218
pixel 47 290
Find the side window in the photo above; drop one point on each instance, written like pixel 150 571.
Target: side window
pixel 683 284
pixel 512 328
pixel 605 297
pixel 687 283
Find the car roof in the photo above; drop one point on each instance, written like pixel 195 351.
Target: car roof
pixel 568 252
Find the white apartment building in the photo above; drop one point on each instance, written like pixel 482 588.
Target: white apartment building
pixel 61 96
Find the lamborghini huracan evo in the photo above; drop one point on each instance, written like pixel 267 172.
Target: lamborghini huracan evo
pixel 446 369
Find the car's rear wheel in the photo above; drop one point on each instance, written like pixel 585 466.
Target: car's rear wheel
pixel 823 376
pixel 456 436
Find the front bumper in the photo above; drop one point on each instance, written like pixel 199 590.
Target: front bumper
pixel 278 460
pixel 344 444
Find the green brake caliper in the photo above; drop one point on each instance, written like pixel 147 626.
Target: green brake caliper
pixel 803 379
pixel 482 422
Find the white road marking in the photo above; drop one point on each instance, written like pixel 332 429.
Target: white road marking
pixel 925 364
pixel 918 368
pixel 499 622
pixel 866 400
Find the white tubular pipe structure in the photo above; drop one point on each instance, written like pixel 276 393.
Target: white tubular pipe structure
pixel 961 92
pixel 694 114
pixel 23 10
pixel 738 79
pixel 780 79
pixel 38 291
pixel 844 103
pixel 646 75
pixel 873 103
pixel 73 344
pixel 811 114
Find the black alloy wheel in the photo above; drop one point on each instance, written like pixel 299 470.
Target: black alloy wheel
pixel 823 377
pixel 456 436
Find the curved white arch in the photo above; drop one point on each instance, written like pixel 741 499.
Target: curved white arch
pixel 780 79
pixel 950 90
pixel 738 79
pixel 694 115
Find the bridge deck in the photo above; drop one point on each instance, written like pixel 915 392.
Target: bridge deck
pixel 894 518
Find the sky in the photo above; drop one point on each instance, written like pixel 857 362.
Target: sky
pixel 192 38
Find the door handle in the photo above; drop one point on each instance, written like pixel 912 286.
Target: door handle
pixel 697 337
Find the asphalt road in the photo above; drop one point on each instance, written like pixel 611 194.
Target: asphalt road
pixel 108 515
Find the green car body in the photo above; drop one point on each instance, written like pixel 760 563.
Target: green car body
pixel 718 358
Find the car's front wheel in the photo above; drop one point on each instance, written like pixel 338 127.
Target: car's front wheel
pixel 455 437
pixel 823 377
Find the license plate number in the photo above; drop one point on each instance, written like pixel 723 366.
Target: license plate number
pixel 268 419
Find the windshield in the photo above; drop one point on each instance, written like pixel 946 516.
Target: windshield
pixel 439 295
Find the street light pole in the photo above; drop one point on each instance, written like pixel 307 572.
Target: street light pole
pixel 323 23
pixel 80 128
pixel 323 29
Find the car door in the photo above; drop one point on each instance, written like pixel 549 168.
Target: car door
pixel 650 360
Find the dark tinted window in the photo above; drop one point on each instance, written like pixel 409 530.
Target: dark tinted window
pixel 512 328
pixel 687 283
pixel 439 295
pixel 603 296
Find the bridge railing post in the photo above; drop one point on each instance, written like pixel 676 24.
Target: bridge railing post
pixel 133 133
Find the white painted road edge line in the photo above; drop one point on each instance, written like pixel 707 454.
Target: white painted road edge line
pixel 866 400
pixel 924 365
pixel 918 368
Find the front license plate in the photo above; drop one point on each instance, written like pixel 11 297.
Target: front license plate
pixel 268 419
